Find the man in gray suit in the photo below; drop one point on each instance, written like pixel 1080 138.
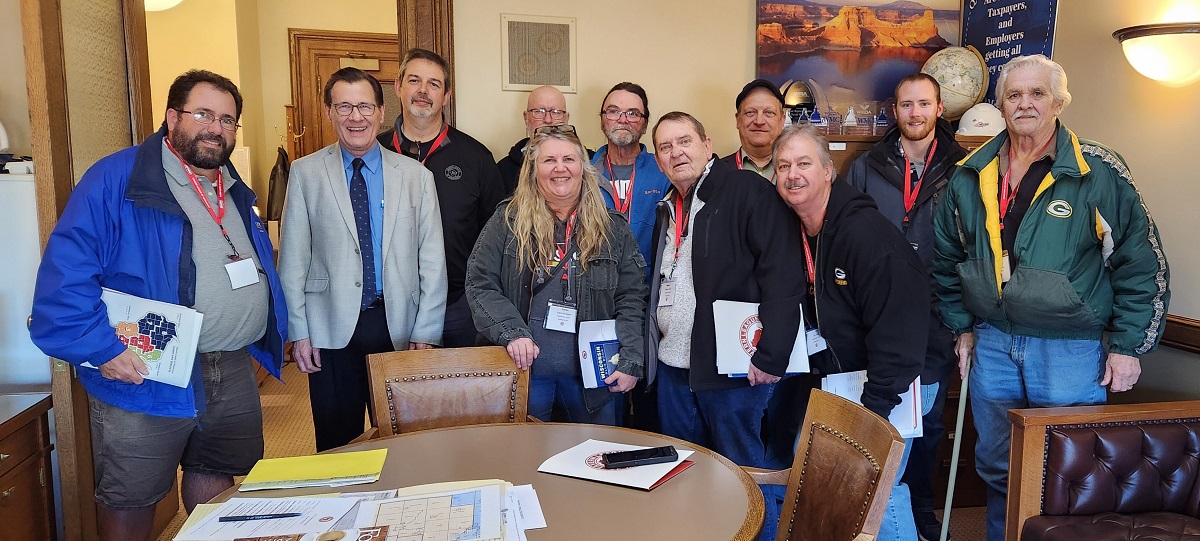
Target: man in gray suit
pixel 364 267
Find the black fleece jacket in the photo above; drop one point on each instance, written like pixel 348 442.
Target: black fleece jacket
pixel 872 298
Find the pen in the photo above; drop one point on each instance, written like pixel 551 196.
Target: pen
pixel 267 516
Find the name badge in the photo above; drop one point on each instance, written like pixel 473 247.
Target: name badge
pixel 666 293
pixel 242 273
pixel 816 342
pixel 560 316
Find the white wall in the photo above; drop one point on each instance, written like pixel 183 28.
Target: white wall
pixel 14 102
pixel 692 56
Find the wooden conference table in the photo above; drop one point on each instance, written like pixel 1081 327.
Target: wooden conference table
pixel 712 500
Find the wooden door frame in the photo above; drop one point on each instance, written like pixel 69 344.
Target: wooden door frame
pixel 428 24
pixel 45 73
pixel 306 46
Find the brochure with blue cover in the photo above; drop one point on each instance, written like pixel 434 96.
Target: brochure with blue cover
pixel 599 351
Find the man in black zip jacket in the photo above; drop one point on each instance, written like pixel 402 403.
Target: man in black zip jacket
pixel 869 292
pixel 906 174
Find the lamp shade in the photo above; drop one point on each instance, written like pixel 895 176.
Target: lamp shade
pixel 161 5
pixel 1163 52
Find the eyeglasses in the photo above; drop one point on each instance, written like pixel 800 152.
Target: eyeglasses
pixel 561 129
pixel 541 112
pixel 228 123
pixel 347 109
pixel 614 114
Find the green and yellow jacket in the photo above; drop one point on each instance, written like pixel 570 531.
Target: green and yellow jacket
pixel 1087 257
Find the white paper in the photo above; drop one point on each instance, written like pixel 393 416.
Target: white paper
pixel 317 515
pixel 242 273
pixel 906 416
pixel 347 521
pixel 583 461
pixel 163 335
pixel 737 327
pixel 473 514
pixel 528 507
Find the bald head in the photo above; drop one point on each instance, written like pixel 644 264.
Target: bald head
pixel 552 101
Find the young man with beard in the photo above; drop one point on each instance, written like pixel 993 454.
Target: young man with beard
pixel 168 220
pixel 464 173
pixel 906 173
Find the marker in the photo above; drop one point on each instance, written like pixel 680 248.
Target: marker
pixel 267 516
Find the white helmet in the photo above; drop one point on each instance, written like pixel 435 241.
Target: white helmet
pixel 982 119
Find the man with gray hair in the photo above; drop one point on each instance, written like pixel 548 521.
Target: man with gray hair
pixel 1049 268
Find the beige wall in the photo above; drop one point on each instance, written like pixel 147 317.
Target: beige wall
pixel 196 34
pixel 14 102
pixel 692 56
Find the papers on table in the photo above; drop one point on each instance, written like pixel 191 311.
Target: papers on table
pixel 583 462
pixel 598 350
pixel 906 416
pixel 738 329
pixel 332 469
pixel 162 334
pixel 468 511
pixel 317 515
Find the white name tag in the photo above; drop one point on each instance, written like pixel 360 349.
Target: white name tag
pixel 242 273
pixel 816 342
pixel 666 293
pixel 560 317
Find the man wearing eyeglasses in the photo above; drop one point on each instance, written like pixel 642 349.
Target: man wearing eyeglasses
pixel 464 172
pixel 632 184
pixel 546 107
pixel 169 220
pixel 363 264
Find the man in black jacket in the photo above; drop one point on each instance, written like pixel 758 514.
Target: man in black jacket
pixel 869 293
pixel 906 174
pixel 720 234
pixel 466 179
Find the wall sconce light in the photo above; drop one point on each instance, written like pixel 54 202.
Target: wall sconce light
pixel 1164 52
pixel 161 5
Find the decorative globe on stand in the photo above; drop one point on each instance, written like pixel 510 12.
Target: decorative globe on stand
pixel 963 75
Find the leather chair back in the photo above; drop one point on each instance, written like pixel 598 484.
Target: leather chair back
pixel 845 467
pixel 439 388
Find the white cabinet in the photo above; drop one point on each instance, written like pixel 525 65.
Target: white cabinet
pixel 23 367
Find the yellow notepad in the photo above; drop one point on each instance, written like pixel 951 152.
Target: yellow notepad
pixel 328 470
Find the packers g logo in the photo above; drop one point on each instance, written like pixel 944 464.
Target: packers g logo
pixel 1059 209
pixel 839 276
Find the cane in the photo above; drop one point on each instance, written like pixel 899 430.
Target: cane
pixel 958 430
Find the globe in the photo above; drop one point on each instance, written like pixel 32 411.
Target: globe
pixel 963 75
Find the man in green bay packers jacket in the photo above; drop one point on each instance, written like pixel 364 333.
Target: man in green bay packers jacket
pixel 1048 267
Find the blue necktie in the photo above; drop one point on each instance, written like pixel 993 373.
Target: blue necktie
pixel 362 220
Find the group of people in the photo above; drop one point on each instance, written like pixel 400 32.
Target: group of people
pixel 1034 256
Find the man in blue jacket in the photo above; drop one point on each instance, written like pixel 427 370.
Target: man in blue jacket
pixel 168 220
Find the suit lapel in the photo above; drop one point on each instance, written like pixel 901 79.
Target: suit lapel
pixel 336 175
pixel 391 198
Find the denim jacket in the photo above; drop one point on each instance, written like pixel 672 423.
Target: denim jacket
pixel 612 287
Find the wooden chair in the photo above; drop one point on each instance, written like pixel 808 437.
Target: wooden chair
pixel 839 483
pixel 438 388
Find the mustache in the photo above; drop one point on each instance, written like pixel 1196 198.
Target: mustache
pixel 420 96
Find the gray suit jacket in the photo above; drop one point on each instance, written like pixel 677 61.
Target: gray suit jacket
pixel 319 262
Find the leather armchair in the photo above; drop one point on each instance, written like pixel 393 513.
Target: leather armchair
pixel 1099 473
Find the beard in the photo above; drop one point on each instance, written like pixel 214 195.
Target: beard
pixel 198 156
pixel 421 111
pixel 916 134
pixel 622 136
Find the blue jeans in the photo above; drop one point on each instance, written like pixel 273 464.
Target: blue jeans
pixel 728 421
pixel 567 393
pixel 1014 371
pixel 898 523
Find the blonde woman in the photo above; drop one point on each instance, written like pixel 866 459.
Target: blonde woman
pixel 550 257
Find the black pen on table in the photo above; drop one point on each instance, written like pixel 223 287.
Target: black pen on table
pixel 265 516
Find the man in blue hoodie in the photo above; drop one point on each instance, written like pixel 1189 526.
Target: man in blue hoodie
pixel 168 220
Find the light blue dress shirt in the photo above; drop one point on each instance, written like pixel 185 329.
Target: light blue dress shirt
pixel 373 173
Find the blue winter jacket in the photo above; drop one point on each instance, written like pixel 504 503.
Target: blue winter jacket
pixel 649 187
pixel 123 229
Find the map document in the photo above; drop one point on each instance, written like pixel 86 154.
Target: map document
pixel 163 335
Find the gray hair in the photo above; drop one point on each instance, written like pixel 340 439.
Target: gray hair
pixel 1058 76
pixel 809 131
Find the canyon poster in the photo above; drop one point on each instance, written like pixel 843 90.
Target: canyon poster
pixel 855 53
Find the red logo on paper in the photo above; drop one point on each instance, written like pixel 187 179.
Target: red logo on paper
pixel 594 461
pixel 325 519
pixel 749 334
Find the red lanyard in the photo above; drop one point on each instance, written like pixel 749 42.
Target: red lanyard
pixel 622 206
pixel 436 142
pixel 1007 196
pixel 561 249
pixel 910 191
pixel 737 159
pixel 218 215
pixel 808 259
pixel 680 223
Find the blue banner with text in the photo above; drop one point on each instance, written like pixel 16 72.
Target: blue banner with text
pixel 1005 29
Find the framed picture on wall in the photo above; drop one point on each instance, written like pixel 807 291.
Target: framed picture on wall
pixel 537 51
pixel 850 53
